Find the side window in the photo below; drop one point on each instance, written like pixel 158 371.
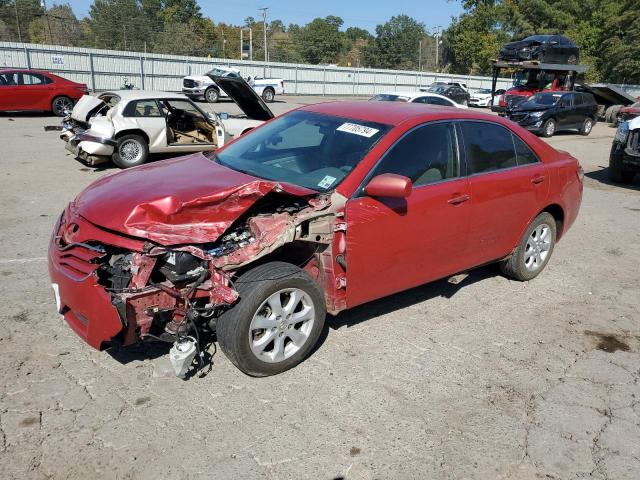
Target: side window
pixel 577 100
pixel 142 108
pixel 421 100
pixel 524 154
pixel 32 79
pixel 425 155
pixel 439 101
pixel 488 147
pixel 181 105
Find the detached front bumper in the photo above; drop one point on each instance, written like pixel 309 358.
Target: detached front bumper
pixel 85 305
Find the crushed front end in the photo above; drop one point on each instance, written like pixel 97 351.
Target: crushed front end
pixel 116 289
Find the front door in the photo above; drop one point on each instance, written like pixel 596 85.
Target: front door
pixel 187 127
pixel 396 244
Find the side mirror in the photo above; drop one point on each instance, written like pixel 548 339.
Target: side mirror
pixel 389 185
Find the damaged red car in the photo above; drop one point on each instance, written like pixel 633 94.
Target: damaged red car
pixel 324 208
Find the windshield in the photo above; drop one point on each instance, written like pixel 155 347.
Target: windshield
pixel 304 148
pixel 545 98
pixel 387 97
pixel 221 72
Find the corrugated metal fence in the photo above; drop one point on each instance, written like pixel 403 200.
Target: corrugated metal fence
pixel 107 70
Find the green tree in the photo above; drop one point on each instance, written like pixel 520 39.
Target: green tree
pixel 28 10
pixel 321 40
pixel 396 44
pixel 65 27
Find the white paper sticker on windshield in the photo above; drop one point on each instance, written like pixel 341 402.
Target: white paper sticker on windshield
pixel 327 181
pixel 358 129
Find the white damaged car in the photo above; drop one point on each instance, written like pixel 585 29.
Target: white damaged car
pixel 125 126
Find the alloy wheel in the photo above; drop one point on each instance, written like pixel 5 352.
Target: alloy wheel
pixel 130 151
pixel 281 326
pixel 537 248
pixel 61 104
pixel 550 128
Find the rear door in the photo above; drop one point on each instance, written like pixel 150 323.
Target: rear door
pixel 508 185
pixel 395 244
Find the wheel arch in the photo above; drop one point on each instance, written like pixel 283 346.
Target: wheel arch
pixel 132 131
pixel 557 212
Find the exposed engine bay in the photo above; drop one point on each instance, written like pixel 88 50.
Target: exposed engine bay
pixel 175 293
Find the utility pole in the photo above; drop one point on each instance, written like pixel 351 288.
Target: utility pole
pixel 43 4
pixel 438 48
pixel 264 11
pixel 250 44
pixel 18 21
pixel 241 43
pixel 420 56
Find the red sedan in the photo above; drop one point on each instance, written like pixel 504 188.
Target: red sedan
pixel 36 90
pixel 324 208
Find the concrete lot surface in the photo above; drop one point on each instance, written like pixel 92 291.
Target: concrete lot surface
pixel 488 379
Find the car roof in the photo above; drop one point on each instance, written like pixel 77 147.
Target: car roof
pixel 128 95
pixel 413 94
pixel 24 70
pixel 395 113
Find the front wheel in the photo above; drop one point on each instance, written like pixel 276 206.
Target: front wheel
pixel 277 321
pixel 617 172
pixel 534 251
pixel 131 151
pixel 212 95
pixel 549 128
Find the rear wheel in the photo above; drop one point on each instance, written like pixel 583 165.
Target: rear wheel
pixel 277 321
pixel 60 105
pixel 131 151
pixel 549 128
pixel 617 172
pixel 268 94
pixel 212 95
pixel 534 251
pixel 587 126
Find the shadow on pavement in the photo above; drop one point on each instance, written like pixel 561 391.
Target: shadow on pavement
pixel 602 176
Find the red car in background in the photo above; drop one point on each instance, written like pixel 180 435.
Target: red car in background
pixel 322 209
pixel 37 90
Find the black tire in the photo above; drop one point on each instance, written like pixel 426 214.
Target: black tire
pixel 212 95
pixel 515 266
pixel 587 126
pixel 121 156
pixel 60 104
pixel 549 128
pixel 268 95
pixel 255 287
pixel 617 172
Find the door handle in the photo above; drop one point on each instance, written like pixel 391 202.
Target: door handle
pixel 537 180
pixel 459 199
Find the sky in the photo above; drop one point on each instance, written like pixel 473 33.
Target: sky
pixel 358 13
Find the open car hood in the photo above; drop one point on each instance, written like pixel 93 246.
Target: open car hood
pixel 245 97
pixel 184 200
pixel 85 107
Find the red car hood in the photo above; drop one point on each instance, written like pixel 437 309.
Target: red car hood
pixel 185 200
